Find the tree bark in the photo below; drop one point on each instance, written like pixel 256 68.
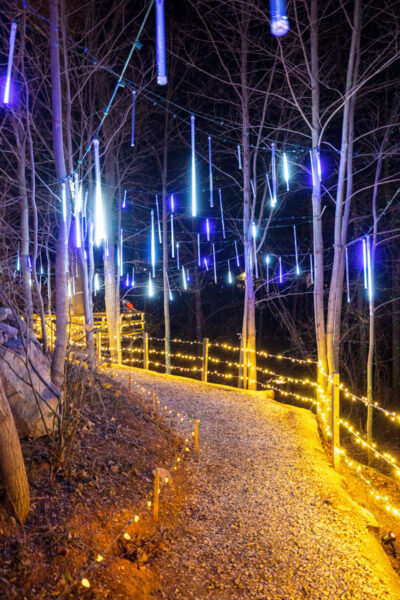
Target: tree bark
pixel 12 465
pixel 58 362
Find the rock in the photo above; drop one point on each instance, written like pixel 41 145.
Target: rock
pixel 18 323
pixel 12 332
pixel 33 409
pixel 5 313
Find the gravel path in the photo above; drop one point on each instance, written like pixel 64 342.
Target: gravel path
pixel 268 517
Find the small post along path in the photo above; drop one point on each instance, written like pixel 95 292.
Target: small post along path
pixel 267 516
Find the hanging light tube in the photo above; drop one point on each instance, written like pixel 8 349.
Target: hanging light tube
pixel 347 274
pixel 169 288
pixel 296 250
pixel 222 213
pixel 279 20
pixel 312 168
pixel 208 229
pixel 214 264
pixel 364 249
pixel 172 236
pixel 123 205
pixel 11 47
pixel 205 260
pixel 210 175
pixel 78 211
pixel 270 191
pixel 153 245
pixel 96 283
pixel 254 235
pixel 274 176
pixel 198 250
pixel 172 201
pixel 64 201
pixel 239 155
pixel 230 280
pixel 370 291
pixel 194 193
pixel 158 220
pixel 253 188
pixel 18 263
pixel 267 260
pixel 237 255
pixel 286 170
pixel 160 44
pixel 99 230
pixel 177 255
pixel 184 282
pixel 133 118
pixel 133 277
pixel 150 289
pixel 280 270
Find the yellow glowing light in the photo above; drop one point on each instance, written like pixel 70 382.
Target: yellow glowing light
pixel 85 582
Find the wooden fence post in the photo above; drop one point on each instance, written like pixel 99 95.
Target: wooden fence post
pixel 145 350
pixel 196 434
pixel 99 345
pixel 156 493
pixel 204 369
pixel 335 416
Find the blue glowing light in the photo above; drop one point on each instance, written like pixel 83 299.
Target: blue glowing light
pixel 133 118
pixel 160 44
pixel 286 170
pixel 205 260
pixel 237 255
pixel 280 270
pixel 370 290
pixel 127 282
pixel 150 290
pixel 198 250
pixel 230 280
pixel 267 260
pixel 279 20
pixel 194 193
pixel 172 201
pixel 172 236
pixel 214 264
pixel 99 230
pixel 210 175
pixel 153 245
pixel 239 156
pixel 274 176
pixel 64 201
pixel 7 88
pixel 347 275
pixel 296 250
pixel 208 229
pixel 222 213
pixel 177 255
pixel 184 282
pixel 158 220
pixel 365 266
pixel 123 205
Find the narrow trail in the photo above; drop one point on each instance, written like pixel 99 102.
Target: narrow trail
pixel 267 517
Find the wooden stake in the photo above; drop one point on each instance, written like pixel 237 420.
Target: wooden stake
pixel 196 434
pixel 335 427
pixel 156 494
pixel 130 382
pixel 145 350
pixel 204 369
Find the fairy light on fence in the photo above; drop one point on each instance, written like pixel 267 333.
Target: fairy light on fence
pixel 194 192
pixel 210 174
pixel 347 274
pixel 237 255
pixel 279 20
pixel 172 236
pixel 153 245
pixel 99 230
pixel 274 176
pixel 214 264
pixel 296 250
pixel 239 156
pixel 158 220
pixel 222 213
pixel 160 44
pixel 198 251
pixel 133 118
pixel 286 170
pixel 11 47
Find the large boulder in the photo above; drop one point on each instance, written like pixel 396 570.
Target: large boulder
pixel 32 396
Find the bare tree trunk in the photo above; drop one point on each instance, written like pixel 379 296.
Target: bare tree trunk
pixel 340 232
pixel 58 362
pixel 318 244
pixel 167 322
pixel 12 465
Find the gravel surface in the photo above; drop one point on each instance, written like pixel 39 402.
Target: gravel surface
pixel 267 516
